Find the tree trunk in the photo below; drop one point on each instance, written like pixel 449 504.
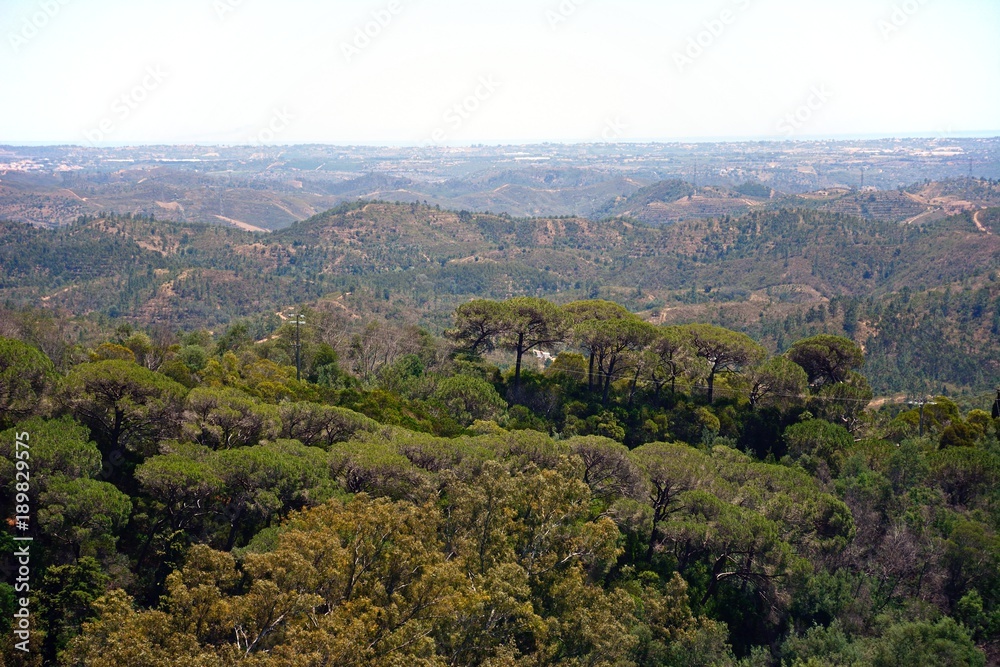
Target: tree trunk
pixel 590 374
pixel 607 383
pixel 635 384
pixel 517 370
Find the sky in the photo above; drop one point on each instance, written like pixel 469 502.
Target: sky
pixel 459 72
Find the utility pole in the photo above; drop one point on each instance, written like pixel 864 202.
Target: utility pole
pixel 299 321
pixel 924 402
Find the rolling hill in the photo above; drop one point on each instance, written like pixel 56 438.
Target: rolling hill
pixel 675 201
pixel 769 272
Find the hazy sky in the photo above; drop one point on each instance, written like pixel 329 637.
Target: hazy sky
pixel 304 71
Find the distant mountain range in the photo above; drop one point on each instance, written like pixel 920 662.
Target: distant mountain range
pixel 274 187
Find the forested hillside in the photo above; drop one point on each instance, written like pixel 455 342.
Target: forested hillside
pixel 922 298
pixel 542 485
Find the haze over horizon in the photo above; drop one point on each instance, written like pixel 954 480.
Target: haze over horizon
pixel 443 72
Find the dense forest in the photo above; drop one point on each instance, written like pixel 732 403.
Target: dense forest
pixel 541 484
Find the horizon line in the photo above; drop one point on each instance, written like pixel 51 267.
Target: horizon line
pixel 934 136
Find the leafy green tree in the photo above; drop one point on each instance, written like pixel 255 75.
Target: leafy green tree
pixel 223 418
pixel 965 474
pixel 112 352
pixel 65 598
pixel 944 643
pixel 126 407
pixel 83 516
pixel 59 448
pixel 739 546
pixel 533 324
pixel 821 646
pixel 670 633
pixel 670 470
pixel 908 466
pixel 469 399
pixel 236 336
pixel 607 468
pixel 180 489
pixel 959 434
pixel 181 483
pixel 146 353
pixel 518 325
pixel 845 402
pixel 380 469
pixel 479 324
pixel 725 351
pixel 972 557
pixel 79 515
pixel 777 381
pixel 195 357
pixel 673 354
pixel 579 312
pixel 317 425
pixel 816 441
pixel 569 369
pixel 827 359
pixel 260 484
pixel 611 343
pixel 26 376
